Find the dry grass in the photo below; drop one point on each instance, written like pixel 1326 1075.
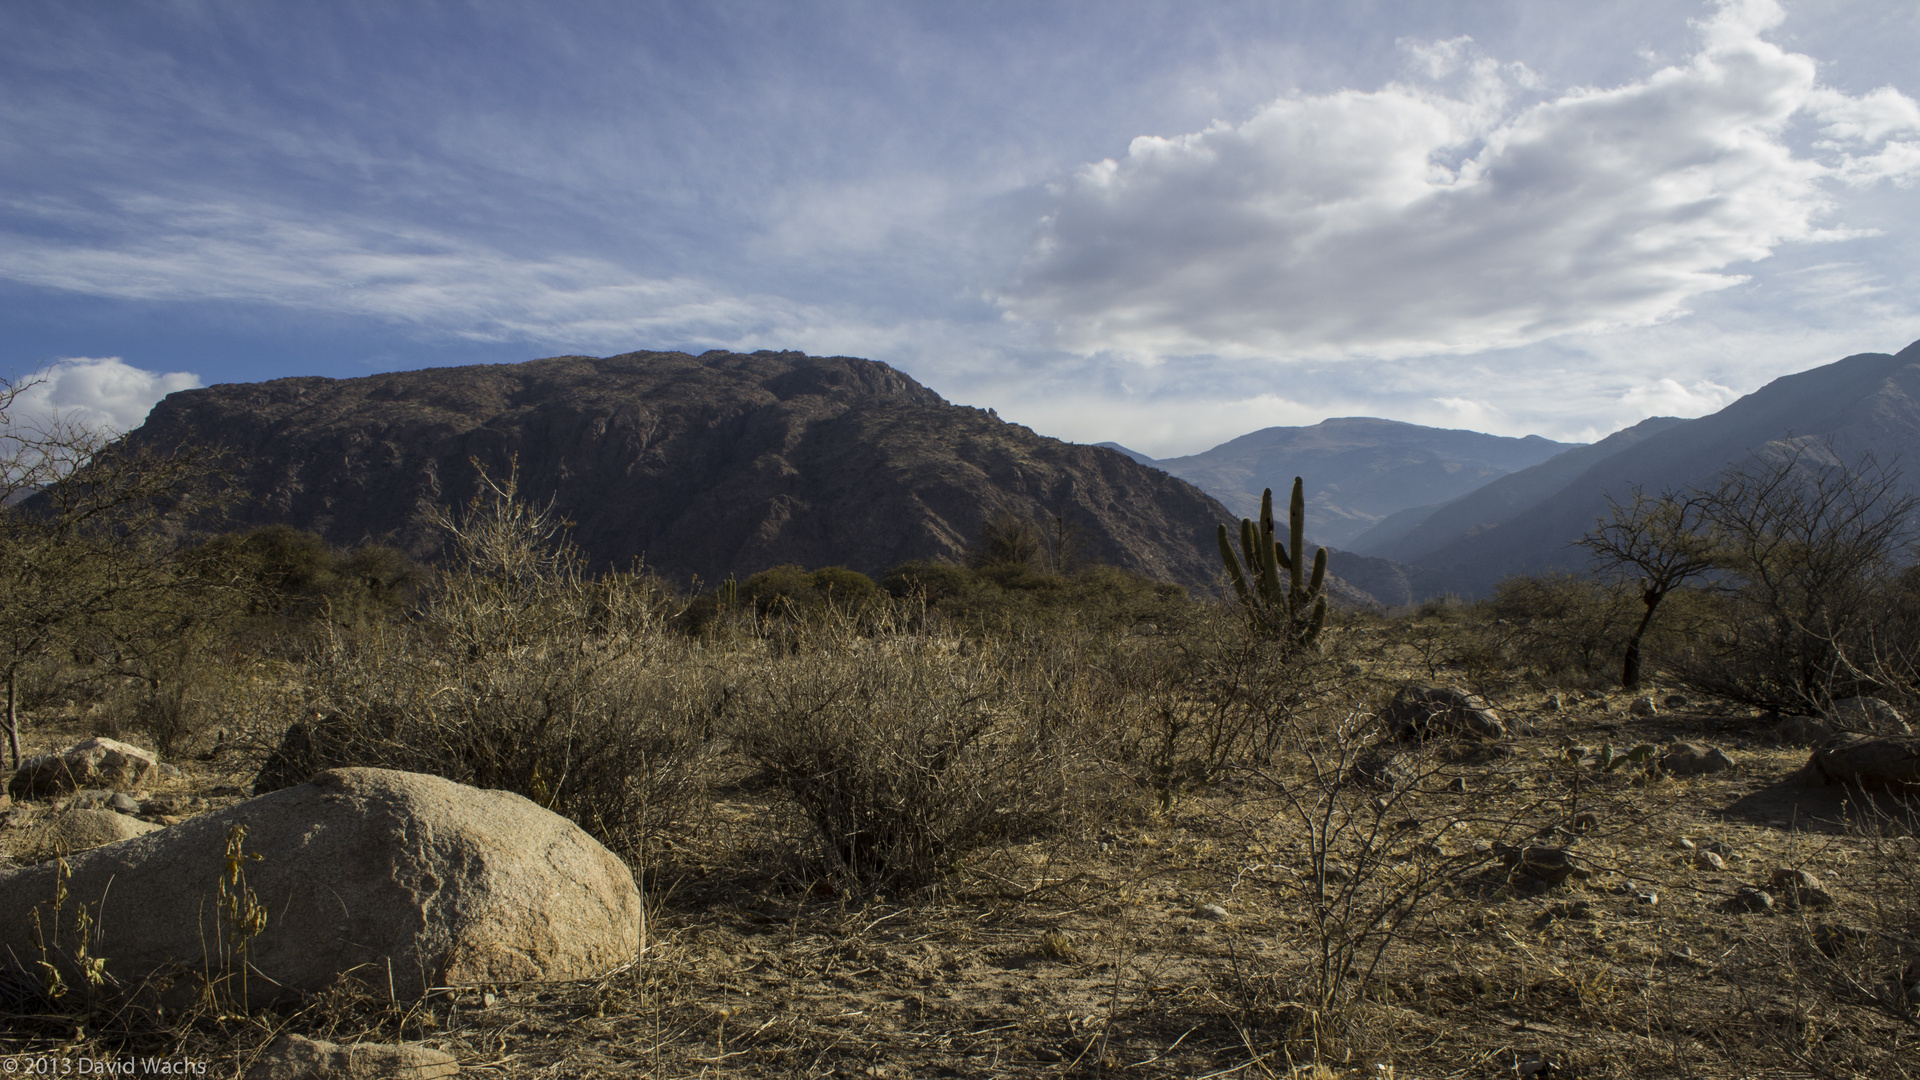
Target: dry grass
pixel 876 849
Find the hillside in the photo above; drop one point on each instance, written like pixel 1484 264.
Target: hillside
pixel 1406 536
pixel 1867 403
pixel 703 466
pixel 1359 470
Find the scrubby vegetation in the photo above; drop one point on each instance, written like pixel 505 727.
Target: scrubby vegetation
pixel 1028 816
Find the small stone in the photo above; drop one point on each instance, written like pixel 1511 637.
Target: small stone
pixel 1795 889
pixel 1694 759
pixel 1552 704
pixel 1459 785
pixel 292 1057
pixel 1683 843
pixel 1707 860
pixel 1675 701
pixel 1211 912
pixel 1585 820
pixel 1648 897
pixel 1550 865
pixel 1642 706
pixel 1750 899
pixel 123 802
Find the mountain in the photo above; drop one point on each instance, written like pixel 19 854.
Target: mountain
pixel 704 466
pixel 1358 470
pixel 1134 454
pixel 1406 536
pixel 1867 403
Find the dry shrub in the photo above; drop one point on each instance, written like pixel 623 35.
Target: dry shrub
pixel 519 673
pixel 904 752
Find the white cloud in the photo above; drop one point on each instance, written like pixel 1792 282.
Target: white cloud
pixel 103 393
pixel 195 251
pixel 1409 221
pixel 1670 397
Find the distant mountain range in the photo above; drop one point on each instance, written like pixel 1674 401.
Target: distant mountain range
pixel 729 463
pixel 704 466
pixel 1527 522
pixel 1359 471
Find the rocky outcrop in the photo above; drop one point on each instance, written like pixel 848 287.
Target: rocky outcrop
pixel 95 763
pixel 401 880
pixel 1424 712
pixel 296 1057
pixel 1886 763
pixel 72 831
pixel 703 466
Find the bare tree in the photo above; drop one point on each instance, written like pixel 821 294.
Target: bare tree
pixel 1808 550
pixel 86 544
pixel 1663 542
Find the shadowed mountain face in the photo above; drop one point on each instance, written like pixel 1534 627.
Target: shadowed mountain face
pixel 1868 403
pixel 1358 470
pixel 704 466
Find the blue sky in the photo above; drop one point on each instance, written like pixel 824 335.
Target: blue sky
pixel 1164 224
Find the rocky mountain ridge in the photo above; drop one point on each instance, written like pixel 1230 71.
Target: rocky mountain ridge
pixel 702 466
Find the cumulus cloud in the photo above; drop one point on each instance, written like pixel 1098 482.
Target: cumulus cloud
pixel 103 393
pixel 1472 213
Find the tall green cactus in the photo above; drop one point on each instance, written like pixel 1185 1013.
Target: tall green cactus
pixel 1297 609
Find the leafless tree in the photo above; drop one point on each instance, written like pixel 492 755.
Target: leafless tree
pixel 1662 542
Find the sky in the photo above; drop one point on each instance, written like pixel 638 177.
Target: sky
pixel 1164 224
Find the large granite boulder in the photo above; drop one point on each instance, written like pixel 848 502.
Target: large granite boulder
pixel 402 880
pixel 73 831
pixel 96 763
pixel 1424 712
pixel 1889 763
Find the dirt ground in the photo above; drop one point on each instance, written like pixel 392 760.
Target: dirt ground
pixel 1178 943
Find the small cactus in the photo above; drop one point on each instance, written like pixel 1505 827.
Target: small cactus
pixel 1295 610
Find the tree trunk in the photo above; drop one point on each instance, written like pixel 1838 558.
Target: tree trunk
pixel 13 714
pixel 1630 669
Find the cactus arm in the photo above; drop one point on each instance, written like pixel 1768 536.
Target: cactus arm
pixel 1233 569
pixel 1319 572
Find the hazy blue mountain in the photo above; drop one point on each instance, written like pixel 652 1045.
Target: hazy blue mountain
pixel 1359 470
pixel 1868 403
pixel 1134 454
pixel 1406 536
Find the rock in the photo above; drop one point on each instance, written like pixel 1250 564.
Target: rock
pixel 1676 701
pixel 1551 865
pixel 1211 912
pixel 1586 821
pixel 1867 714
pixel 1693 759
pixel 295 1057
pixel 1642 706
pixel 94 763
pixel 1750 899
pixel 1801 731
pixel 72 831
pixel 1889 763
pixel 1552 704
pixel 406 880
pixel 1796 889
pixel 1423 712
pixel 123 803
pixel 1378 770
pixel 1707 860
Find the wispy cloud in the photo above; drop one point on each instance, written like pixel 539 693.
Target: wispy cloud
pixel 1416 220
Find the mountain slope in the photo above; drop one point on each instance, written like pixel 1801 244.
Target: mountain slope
pixel 1497 501
pixel 1867 403
pixel 1358 469
pixel 705 466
